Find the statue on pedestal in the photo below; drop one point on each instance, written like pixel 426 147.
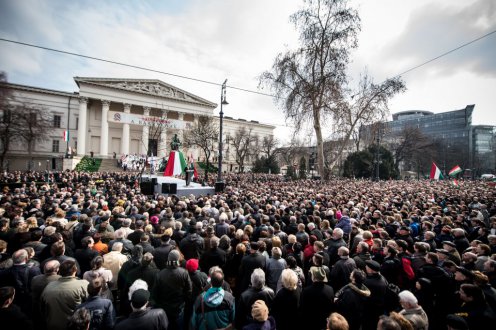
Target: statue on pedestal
pixel 175 144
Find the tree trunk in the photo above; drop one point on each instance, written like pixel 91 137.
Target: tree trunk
pixel 320 142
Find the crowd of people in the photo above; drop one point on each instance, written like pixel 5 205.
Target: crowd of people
pixel 89 251
pixel 135 162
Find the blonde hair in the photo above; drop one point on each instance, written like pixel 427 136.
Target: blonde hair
pixel 289 279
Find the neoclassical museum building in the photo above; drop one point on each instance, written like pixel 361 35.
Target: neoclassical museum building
pixel 109 115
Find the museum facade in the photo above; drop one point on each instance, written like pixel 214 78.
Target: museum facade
pixel 109 116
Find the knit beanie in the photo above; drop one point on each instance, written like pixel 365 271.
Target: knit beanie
pixel 259 311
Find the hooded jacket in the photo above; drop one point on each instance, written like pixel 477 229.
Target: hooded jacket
pixel 213 309
pixel 351 303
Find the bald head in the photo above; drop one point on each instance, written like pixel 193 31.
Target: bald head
pixel 51 267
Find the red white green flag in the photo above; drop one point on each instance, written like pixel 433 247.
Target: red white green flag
pixel 191 161
pixel 66 135
pixel 455 183
pixel 176 164
pixel 436 173
pixel 455 170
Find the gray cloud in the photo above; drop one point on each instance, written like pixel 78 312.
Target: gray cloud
pixel 434 29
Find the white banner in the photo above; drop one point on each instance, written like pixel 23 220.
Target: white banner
pixel 136 119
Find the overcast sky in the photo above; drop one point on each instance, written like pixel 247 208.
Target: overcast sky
pixel 238 40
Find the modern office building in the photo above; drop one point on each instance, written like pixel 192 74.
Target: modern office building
pixel 460 143
pixel 108 115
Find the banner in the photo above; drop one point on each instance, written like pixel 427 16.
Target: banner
pixel 142 120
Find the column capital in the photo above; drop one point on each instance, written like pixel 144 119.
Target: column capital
pixel 106 103
pixel 127 107
pixel 83 99
pixel 146 111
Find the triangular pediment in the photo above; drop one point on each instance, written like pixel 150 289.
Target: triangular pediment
pixel 153 87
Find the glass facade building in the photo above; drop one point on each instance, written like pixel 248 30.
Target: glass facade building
pixel 461 143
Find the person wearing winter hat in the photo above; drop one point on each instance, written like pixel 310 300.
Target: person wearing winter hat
pixel 143 317
pixel 173 288
pixel 198 278
pixel 261 318
pixel 317 299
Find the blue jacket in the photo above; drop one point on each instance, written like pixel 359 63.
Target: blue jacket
pixel 102 312
pixel 217 311
pixel 345 224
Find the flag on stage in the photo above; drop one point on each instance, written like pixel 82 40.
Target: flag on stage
pixel 192 165
pixel 66 135
pixel 436 173
pixel 176 164
pixel 455 170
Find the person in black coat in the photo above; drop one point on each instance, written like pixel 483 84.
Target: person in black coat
pixel 192 245
pixel 249 263
pixel 86 254
pixel 11 315
pixel 443 286
pixel 287 301
pixel 161 253
pixel 147 271
pixel 143 317
pixel 316 301
pixel 214 256
pixel 173 289
pixel 350 300
pixel 341 271
pixel 375 303
pixel 391 266
pixel 257 291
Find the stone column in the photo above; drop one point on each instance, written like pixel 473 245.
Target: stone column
pixel 162 143
pixel 180 134
pixel 144 136
pixel 195 151
pixel 104 130
pixel 81 134
pixel 125 132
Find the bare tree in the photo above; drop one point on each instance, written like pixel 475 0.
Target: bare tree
pixel 8 122
pixel 412 148
pixel 309 81
pixel 269 145
pixel 289 153
pixel 368 104
pixel 20 122
pixel 203 135
pixel 242 143
pixel 34 124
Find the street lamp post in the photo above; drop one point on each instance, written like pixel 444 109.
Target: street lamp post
pixel 220 183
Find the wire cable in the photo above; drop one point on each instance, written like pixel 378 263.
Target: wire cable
pixel 131 66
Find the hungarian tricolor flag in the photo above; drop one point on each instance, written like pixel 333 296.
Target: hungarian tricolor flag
pixel 436 173
pixel 176 164
pixel 455 170
pixel 66 135
pixel 191 161
pixel 455 183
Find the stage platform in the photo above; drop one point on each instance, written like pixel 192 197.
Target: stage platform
pixel 167 185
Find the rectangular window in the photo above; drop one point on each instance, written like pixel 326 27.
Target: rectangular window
pixel 77 123
pixel 33 117
pixel 56 121
pixel 55 145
